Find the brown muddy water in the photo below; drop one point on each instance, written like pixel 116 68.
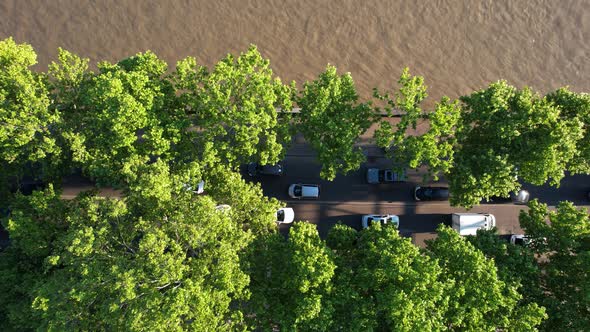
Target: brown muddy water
pixel 458 46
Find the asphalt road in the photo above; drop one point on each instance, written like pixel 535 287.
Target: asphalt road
pixel 349 197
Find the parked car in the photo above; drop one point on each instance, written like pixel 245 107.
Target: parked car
pixel 519 239
pixel 27 185
pixel 384 219
pixel 285 215
pixel 520 197
pixel 524 240
pixel 257 169
pixel 305 191
pixel 375 175
pixel 200 189
pixel 223 208
pixel 431 193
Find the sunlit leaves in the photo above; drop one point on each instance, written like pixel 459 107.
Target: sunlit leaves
pixel 332 121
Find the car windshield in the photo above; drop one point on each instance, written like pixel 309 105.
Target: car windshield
pixel 280 215
pixel 519 241
pixel 297 190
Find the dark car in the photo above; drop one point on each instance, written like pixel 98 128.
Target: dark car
pixel 520 197
pixel 431 193
pixel 257 169
pixel 27 185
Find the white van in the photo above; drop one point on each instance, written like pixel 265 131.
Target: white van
pixel 469 223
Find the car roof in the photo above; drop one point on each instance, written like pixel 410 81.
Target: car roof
pixel 310 190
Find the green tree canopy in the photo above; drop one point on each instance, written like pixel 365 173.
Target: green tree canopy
pixel 25 116
pixel 384 283
pixel 562 240
pixel 123 116
pixel 94 264
pixel 575 106
pixel 332 121
pixel 509 135
pixel 435 147
pixel 290 280
pixel 478 300
pixel 235 106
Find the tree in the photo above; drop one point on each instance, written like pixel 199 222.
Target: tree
pixel 235 106
pixel 575 106
pixel 562 238
pixel 477 299
pixel 94 264
pixel 517 265
pixel 290 280
pixel 25 117
pixel 123 114
pixel 433 148
pixel 332 121
pixel 384 283
pixel 507 136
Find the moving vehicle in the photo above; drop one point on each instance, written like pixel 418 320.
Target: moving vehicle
pixel 200 189
pixel 384 219
pixel 285 215
pixel 431 193
pixel 519 239
pixel 520 197
pixel 27 185
pixel 257 169
pixel 375 175
pixel 304 191
pixel 469 223
pixel 223 208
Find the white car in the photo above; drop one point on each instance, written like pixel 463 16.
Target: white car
pixel 524 240
pixel 223 208
pixel 199 190
pixel 285 215
pixel 519 239
pixel 384 219
pixel 305 191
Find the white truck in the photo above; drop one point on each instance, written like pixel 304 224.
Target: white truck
pixel 469 223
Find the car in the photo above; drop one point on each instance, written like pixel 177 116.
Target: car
pixel 524 240
pixel 375 175
pixel 257 169
pixel 520 197
pixel 305 191
pixel 223 208
pixel 384 219
pixel 200 189
pixel 285 215
pixel 27 185
pixel 519 239
pixel 431 193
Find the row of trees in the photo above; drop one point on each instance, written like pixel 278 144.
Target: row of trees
pixel 180 264
pixel 137 116
pixel 160 258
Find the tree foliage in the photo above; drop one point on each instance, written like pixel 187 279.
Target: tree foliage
pixel 93 264
pixel 575 106
pixel 384 283
pixel 332 121
pixel 291 280
pixel 478 300
pixel 509 135
pixel 235 106
pixel 433 148
pixel 562 239
pixel 25 116
pixel 119 117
